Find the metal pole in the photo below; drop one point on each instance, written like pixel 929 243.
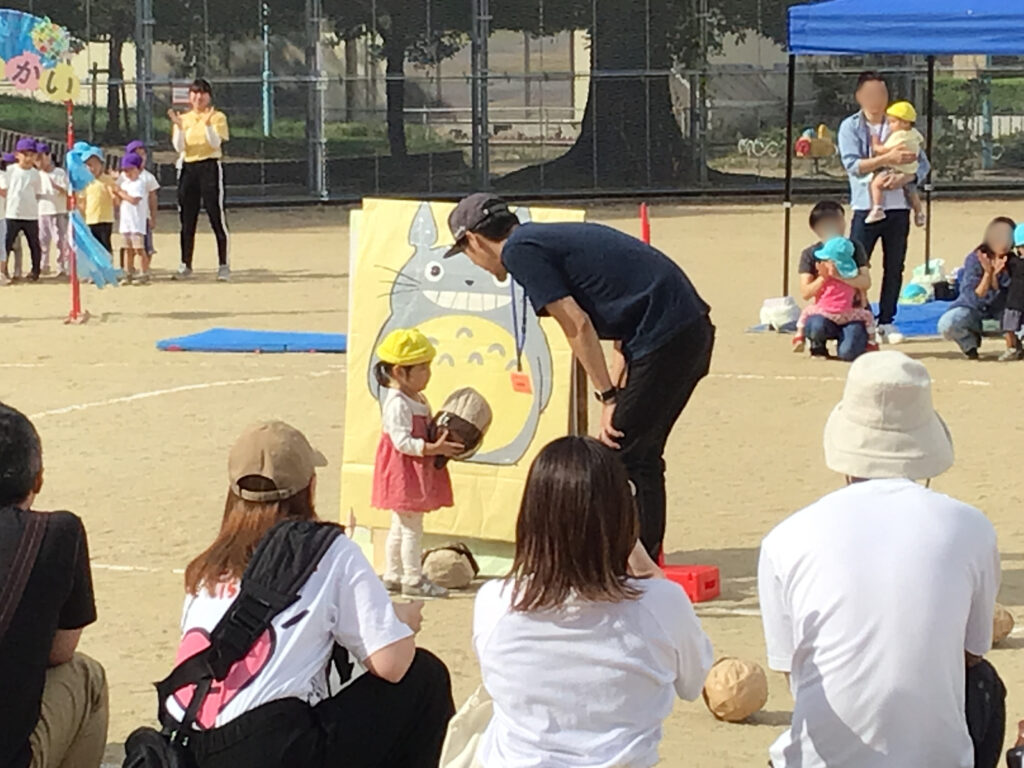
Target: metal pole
pixel 144 23
pixel 317 155
pixel 928 182
pixel 787 203
pixel 986 117
pixel 475 83
pixel 481 125
pixel 268 94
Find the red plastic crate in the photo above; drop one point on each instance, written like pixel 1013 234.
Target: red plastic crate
pixel 701 582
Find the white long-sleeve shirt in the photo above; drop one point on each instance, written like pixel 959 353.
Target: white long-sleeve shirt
pixel 396 420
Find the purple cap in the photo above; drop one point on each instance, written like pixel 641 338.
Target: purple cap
pixel 25 145
pixel 135 146
pixel 9 157
pixel 131 161
pixel 42 148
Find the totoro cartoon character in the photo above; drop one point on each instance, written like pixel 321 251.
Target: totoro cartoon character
pixel 467 314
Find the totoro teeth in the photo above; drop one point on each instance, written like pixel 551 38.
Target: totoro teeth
pixel 432 295
pixel 503 301
pixel 476 302
pixel 490 301
pixel 446 299
pixel 468 302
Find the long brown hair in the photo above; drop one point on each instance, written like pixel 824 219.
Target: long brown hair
pixel 577 525
pixel 241 529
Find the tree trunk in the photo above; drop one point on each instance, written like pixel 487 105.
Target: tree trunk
pixel 629 136
pixel 394 90
pixel 114 77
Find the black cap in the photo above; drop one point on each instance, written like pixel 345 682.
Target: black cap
pixel 470 213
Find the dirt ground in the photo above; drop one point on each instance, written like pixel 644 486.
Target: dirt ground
pixel 136 440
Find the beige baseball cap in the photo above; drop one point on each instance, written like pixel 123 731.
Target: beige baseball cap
pixel 278 452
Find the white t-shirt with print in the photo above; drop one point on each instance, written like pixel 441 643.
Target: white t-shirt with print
pixel 869 599
pixel 343 601
pixel 134 217
pixel 53 202
pixel 588 685
pixel 23 189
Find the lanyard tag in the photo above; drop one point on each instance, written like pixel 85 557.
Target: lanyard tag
pixel 521 383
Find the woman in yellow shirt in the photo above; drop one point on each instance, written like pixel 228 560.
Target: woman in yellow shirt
pixel 198 135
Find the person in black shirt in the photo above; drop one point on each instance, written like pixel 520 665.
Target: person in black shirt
pixel 54 705
pixel 599 283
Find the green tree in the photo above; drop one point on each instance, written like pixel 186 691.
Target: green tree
pixel 421 31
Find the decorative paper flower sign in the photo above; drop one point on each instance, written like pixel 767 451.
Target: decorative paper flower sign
pixel 24 71
pixel 51 40
pixel 59 84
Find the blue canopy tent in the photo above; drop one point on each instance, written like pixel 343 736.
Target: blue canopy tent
pixel 922 27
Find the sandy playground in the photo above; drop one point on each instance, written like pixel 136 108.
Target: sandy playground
pixel 136 440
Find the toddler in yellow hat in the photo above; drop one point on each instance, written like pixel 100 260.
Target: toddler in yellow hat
pixel 405 480
pixel 901 116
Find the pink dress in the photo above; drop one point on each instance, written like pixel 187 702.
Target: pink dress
pixel 404 480
pixel 837 302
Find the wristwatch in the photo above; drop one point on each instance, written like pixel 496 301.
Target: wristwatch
pixel 608 396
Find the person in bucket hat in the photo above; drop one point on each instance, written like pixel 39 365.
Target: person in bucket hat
pixel 878 597
pixel 599 283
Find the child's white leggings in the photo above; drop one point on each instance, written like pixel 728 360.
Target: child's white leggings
pixel 405 547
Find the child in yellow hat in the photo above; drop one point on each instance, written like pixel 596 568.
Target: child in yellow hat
pixel 901 116
pixel 405 481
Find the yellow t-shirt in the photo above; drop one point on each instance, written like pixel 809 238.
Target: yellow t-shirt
pixel 913 140
pixel 197 146
pixel 99 205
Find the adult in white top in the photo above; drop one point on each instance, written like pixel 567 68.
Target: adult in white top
pixel 876 598
pixel 583 661
pixel 276 706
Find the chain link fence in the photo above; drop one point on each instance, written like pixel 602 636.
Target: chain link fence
pixel 339 99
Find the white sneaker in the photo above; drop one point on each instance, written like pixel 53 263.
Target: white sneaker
pixel 889 334
pixel 224 273
pixel 876 215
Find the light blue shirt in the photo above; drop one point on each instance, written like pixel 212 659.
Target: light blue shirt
pixel 854 146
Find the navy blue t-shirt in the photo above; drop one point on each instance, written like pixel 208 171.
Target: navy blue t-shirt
pixel 633 293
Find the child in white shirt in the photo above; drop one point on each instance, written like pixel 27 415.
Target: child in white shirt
pixel 152 185
pixel 53 209
pixel 22 186
pixel 134 217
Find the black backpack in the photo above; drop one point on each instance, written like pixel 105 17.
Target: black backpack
pixel 285 558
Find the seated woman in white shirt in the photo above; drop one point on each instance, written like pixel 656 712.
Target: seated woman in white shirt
pixel 276 707
pixel 583 660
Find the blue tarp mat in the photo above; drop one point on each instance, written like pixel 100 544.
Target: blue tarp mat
pixel 919 319
pixel 913 26
pixel 242 340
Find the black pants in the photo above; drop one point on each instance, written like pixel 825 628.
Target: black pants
pixel 30 228
pixel 103 233
pixel 893 231
pixel 370 724
pixel 658 388
pixel 202 184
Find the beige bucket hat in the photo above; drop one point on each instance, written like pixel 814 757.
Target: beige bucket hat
pixel 886 426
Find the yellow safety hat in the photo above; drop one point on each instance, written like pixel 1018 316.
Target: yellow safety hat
pixel 902 110
pixel 406 346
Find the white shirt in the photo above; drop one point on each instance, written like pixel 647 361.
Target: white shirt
pixel 134 217
pixel 343 601
pixel 588 685
pixel 53 202
pixel 23 189
pixel 152 185
pixel 869 598
pixel 396 420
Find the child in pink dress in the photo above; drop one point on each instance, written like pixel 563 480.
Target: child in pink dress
pixel 839 301
pixel 405 480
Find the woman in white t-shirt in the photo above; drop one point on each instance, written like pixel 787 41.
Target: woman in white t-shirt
pixel 276 706
pixel 583 660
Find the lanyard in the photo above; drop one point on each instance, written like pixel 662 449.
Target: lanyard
pixel 518 327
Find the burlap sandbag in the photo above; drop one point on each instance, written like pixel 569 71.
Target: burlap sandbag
pixel 735 689
pixel 1002 624
pixel 452 566
pixel 466 416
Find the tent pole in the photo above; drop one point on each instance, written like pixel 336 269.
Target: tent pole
pixel 787 203
pixel 928 181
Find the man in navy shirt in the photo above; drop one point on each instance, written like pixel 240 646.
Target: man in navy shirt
pixel 599 283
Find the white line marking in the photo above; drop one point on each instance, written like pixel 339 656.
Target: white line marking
pixel 152 393
pixel 780 377
pixel 21 365
pixel 134 568
pixel 717 613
